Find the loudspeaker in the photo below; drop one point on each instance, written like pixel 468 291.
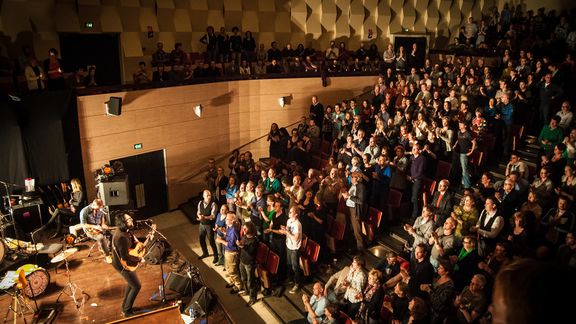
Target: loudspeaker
pixel 114 193
pixel 200 303
pixel 28 218
pixel 155 252
pixel 114 106
pixel 179 283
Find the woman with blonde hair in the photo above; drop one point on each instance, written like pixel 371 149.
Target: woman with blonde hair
pixel 70 209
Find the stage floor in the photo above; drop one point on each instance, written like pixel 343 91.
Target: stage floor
pixel 104 288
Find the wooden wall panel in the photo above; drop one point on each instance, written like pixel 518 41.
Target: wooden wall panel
pixel 234 114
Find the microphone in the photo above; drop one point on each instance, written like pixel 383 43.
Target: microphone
pixel 144 221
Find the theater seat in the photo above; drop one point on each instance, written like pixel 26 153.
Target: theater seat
pixel 309 257
pixel 267 272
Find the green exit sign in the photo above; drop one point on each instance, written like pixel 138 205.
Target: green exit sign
pixel 137 146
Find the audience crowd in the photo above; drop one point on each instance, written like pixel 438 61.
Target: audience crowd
pixel 346 157
pixel 467 228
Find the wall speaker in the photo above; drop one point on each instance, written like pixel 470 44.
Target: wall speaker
pixel 114 106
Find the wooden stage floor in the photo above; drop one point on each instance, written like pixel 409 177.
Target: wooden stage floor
pixel 104 288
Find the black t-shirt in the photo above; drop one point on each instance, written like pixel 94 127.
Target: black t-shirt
pixel 249 249
pixel 121 242
pixel 464 142
pixel 279 220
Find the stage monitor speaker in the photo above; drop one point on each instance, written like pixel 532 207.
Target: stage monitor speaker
pixel 200 303
pixel 179 283
pixel 114 193
pixel 114 106
pixel 169 314
pixel 28 218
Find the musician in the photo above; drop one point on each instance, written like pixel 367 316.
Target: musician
pixel 93 221
pixel 122 241
pixel 71 211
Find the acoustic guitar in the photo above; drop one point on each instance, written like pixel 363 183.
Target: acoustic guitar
pixel 139 250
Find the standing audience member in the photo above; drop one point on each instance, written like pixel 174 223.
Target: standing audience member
pixel 231 253
pixel 248 250
pixel 293 232
pixel 35 76
pixel 206 215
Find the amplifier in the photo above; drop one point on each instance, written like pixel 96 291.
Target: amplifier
pixel 28 218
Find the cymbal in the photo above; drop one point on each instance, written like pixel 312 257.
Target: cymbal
pixel 63 255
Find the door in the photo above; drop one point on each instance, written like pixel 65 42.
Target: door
pixel 147 183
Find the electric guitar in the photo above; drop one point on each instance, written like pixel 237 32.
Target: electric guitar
pixel 139 250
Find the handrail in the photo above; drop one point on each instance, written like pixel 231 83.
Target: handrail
pixel 224 156
pixel 204 80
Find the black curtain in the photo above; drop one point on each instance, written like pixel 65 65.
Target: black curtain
pixel 32 138
pixel 13 167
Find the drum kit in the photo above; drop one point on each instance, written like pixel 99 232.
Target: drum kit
pixel 30 281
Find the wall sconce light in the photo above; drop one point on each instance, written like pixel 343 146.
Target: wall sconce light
pixel 198 110
pixel 286 100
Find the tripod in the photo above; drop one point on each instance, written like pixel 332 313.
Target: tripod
pixel 71 289
pixel 19 306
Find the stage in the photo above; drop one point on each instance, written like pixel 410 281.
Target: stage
pixel 105 287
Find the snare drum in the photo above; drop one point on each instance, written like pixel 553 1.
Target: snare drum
pixel 38 279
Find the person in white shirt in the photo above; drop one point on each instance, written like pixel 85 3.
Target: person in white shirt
pixel 488 227
pixel 566 116
pixel 293 232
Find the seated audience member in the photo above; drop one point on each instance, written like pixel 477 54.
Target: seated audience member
pixel 372 298
pixel 543 187
pixel 315 304
pixel 472 302
pixel 516 164
pixel 557 223
pixel 496 260
pixel 566 254
pixel 274 68
pixel 390 266
pixel 418 311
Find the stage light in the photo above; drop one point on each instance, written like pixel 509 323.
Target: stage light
pixel 198 110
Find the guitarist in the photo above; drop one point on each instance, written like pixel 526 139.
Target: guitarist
pixel 69 212
pixel 93 221
pixel 122 242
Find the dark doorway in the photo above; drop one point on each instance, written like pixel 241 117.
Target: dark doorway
pixel 100 50
pixel 147 182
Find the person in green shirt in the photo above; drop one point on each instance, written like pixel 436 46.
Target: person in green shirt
pixel 550 135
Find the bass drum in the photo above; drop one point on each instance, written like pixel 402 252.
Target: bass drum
pixel 38 279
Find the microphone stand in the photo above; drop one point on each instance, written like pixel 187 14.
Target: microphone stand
pixel 11 212
pixel 162 287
